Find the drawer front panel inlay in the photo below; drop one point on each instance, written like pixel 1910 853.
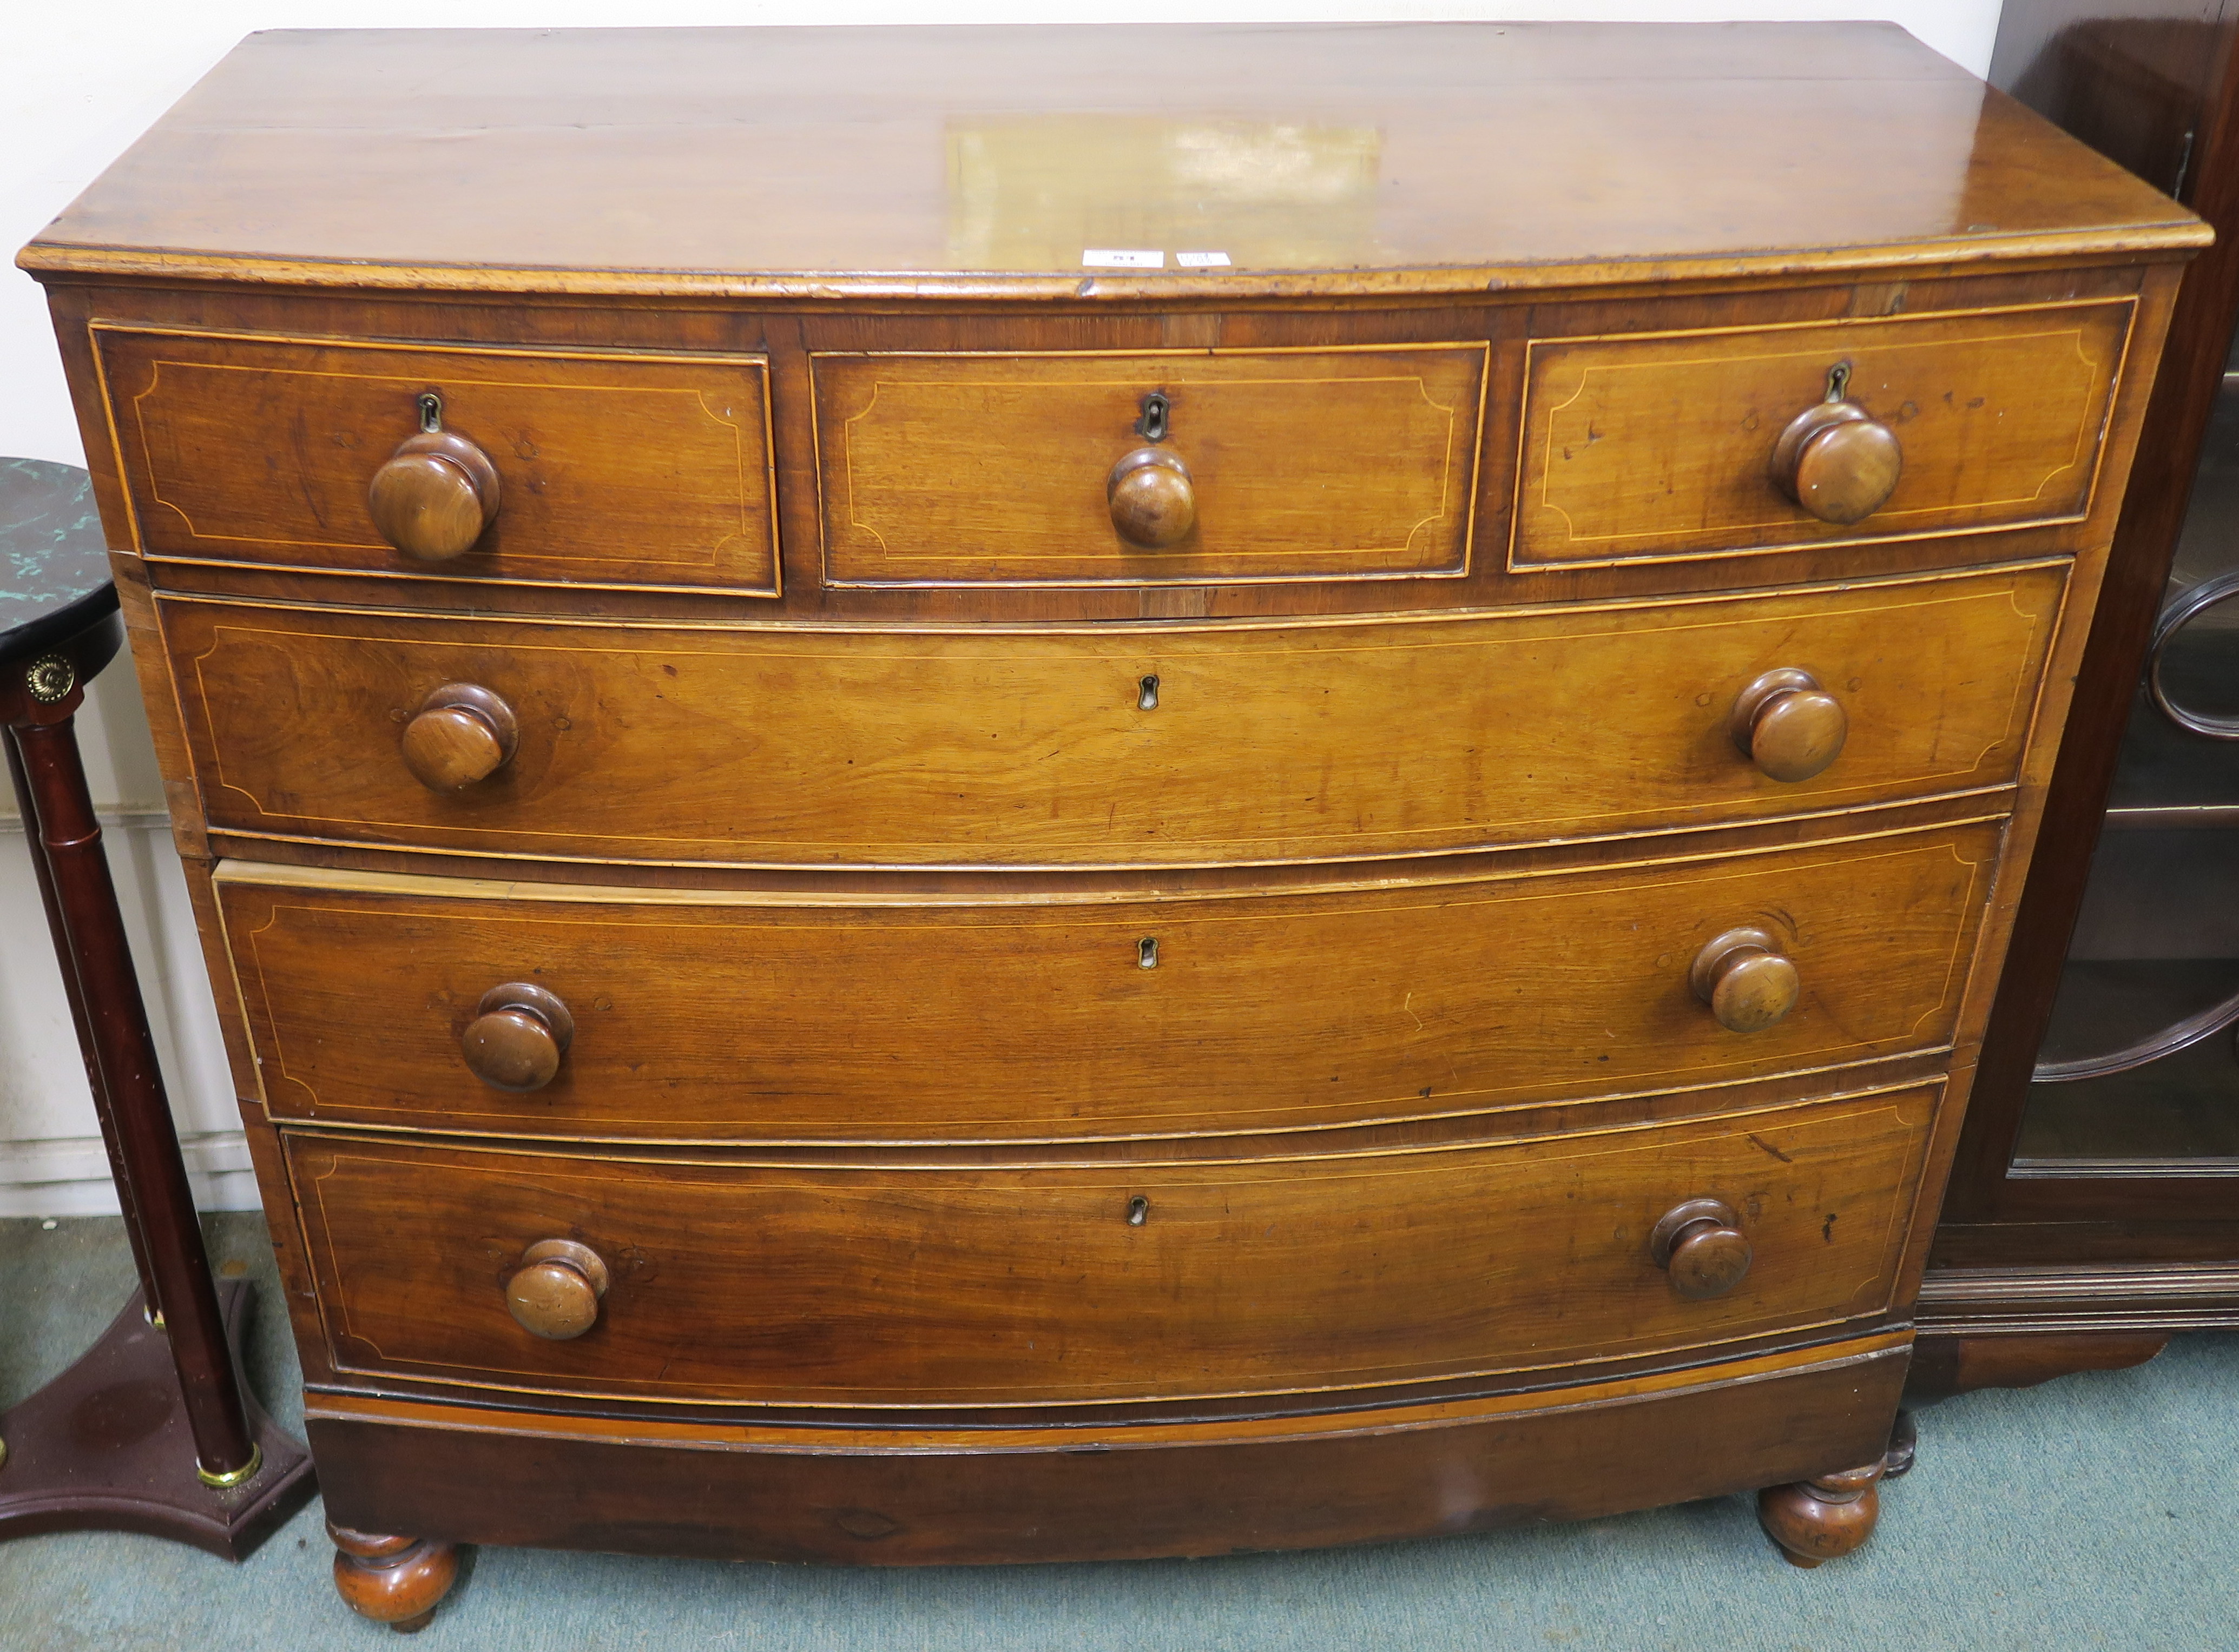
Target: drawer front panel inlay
pixel 1048 1020
pixel 993 747
pixel 615 469
pixel 1321 464
pixel 1658 447
pixel 933 1286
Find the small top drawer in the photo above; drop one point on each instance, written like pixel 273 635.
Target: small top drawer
pixel 539 469
pixel 1136 468
pixel 1666 446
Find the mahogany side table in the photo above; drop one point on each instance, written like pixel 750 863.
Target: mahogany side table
pixel 152 1430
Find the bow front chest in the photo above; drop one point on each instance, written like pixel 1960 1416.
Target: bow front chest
pixel 994 794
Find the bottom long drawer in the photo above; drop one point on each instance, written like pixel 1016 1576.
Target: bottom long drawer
pixel 912 1496
pixel 968 1286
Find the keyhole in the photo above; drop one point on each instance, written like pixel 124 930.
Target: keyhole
pixel 1157 417
pixel 1147 700
pixel 1146 953
pixel 1139 1211
pixel 1838 381
pixel 431 412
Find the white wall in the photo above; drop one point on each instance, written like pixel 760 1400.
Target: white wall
pixel 86 76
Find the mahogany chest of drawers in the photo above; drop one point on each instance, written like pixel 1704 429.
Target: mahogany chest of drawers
pixel 977 795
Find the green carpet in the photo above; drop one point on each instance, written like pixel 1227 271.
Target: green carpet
pixel 2096 1511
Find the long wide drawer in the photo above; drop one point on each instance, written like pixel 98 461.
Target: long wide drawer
pixel 962 1286
pixel 1131 746
pixel 742 1017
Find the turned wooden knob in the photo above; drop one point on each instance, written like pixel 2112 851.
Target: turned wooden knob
pixel 1837 460
pixel 1788 725
pixel 517 1037
pixel 434 496
pixel 461 733
pixel 1152 503
pixel 1743 976
pixel 1701 1245
pixel 554 1292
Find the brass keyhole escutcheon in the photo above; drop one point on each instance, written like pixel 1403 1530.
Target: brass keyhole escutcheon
pixel 1157 417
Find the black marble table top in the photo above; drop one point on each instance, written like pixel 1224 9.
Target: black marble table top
pixel 53 562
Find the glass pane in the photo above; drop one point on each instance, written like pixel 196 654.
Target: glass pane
pixel 2180 1109
pixel 2163 764
pixel 2150 990
pixel 2139 1065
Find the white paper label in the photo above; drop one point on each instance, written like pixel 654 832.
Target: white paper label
pixel 1202 260
pixel 1119 258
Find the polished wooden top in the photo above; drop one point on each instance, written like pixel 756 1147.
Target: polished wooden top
pixel 930 162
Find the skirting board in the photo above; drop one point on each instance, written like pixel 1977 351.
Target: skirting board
pixel 2110 1299
pixel 69 1176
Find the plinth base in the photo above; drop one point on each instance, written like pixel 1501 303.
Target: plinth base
pixel 105 1447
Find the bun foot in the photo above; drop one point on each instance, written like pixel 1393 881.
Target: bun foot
pixel 1821 1519
pixel 396 1581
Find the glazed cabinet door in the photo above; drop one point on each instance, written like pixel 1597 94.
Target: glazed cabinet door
pixel 2139 1071
pixel 2108 1093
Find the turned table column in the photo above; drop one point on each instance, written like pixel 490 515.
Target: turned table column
pixel 76 1456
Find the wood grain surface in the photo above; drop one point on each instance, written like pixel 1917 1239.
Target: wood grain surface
pixel 616 470
pixel 933 1286
pixel 1305 464
pixel 1649 448
pixel 763 1019
pixel 871 1497
pixel 981 746
pixel 974 160
pixel 790 337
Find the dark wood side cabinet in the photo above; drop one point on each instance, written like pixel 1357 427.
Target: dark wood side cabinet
pixel 2094 1207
